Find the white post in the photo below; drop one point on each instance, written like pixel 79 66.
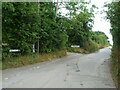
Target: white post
pixel 33 48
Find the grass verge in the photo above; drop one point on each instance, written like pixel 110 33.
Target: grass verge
pixel 84 51
pixel 77 50
pixel 32 59
pixel 0 65
pixel 115 69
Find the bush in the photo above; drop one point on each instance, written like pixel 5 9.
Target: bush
pixel 90 46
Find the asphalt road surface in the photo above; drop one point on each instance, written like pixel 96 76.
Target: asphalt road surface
pixel 72 71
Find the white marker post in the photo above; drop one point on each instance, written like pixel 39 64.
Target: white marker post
pixel 33 48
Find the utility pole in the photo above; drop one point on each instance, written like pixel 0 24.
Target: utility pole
pixel 57 7
pixel 38 46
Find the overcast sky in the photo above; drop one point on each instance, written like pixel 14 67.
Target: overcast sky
pixel 100 23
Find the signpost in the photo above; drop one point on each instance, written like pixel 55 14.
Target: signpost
pixel 14 50
pixel 75 46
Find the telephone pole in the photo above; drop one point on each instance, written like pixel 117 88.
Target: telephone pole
pixel 38 46
pixel 57 7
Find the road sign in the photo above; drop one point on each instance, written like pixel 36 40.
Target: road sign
pixel 14 50
pixel 76 46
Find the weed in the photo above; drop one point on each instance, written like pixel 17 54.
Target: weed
pixel 32 59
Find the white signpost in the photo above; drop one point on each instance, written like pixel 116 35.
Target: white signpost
pixel 14 50
pixel 75 46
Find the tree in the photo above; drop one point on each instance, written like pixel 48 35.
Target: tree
pixel 113 14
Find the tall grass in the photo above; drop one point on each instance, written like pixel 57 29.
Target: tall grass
pixel 116 66
pixel 77 50
pixel 88 47
pixel 32 59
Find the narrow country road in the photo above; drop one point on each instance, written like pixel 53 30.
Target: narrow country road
pixel 73 71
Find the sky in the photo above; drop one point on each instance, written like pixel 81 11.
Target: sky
pixel 100 23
